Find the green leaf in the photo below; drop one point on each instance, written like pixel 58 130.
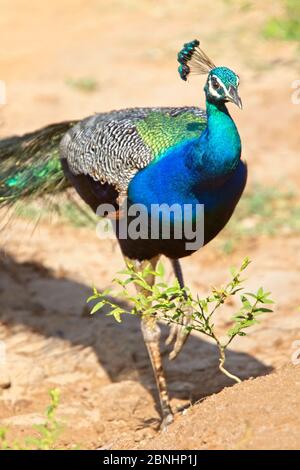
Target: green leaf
pixel 262 310
pixel 142 284
pixel 233 271
pixel 116 313
pixel 163 285
pixel 127 281
pixel 160 270
pixel 98 306
pixel 250 294
pixel 245 264
pixel 235 291
pixel 260 293
pixel 245 302
pixel 92 297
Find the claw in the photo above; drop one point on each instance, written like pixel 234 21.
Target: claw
pixel 172 334
pixel 179 334
pixel 166 422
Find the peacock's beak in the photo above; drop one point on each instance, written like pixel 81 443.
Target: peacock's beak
pixel 233 96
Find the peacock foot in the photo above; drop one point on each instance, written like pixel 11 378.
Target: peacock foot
pixel 167 420
pixel 179 334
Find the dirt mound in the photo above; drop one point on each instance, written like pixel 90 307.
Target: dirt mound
pixel 263 413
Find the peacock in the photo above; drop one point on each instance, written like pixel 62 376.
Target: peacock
pixel 186 156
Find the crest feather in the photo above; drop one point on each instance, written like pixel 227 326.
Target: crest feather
pixel 193 60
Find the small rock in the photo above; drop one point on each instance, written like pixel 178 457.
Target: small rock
pixel 5 381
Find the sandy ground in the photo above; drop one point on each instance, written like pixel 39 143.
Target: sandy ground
pixel 101 367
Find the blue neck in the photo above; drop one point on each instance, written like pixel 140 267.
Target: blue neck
pixel 219 143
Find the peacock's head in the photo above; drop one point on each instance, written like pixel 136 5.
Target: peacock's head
pixel 222 83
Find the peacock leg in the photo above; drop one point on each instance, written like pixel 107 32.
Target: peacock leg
pixel 178 334
pixel 151 334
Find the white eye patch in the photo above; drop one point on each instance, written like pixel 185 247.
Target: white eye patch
pixel 213 91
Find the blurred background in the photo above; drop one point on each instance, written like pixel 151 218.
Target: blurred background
pixel 67 59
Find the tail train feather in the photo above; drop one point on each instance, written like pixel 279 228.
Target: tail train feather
pixel 30 164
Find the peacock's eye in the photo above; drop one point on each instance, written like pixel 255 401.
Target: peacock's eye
pixel 215 83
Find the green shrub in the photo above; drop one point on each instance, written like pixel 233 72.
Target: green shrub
pixel 172 303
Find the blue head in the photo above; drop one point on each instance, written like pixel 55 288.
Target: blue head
pixel 222 83
pixel 222 86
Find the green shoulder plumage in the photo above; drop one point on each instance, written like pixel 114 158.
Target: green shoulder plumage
pixel 161 131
